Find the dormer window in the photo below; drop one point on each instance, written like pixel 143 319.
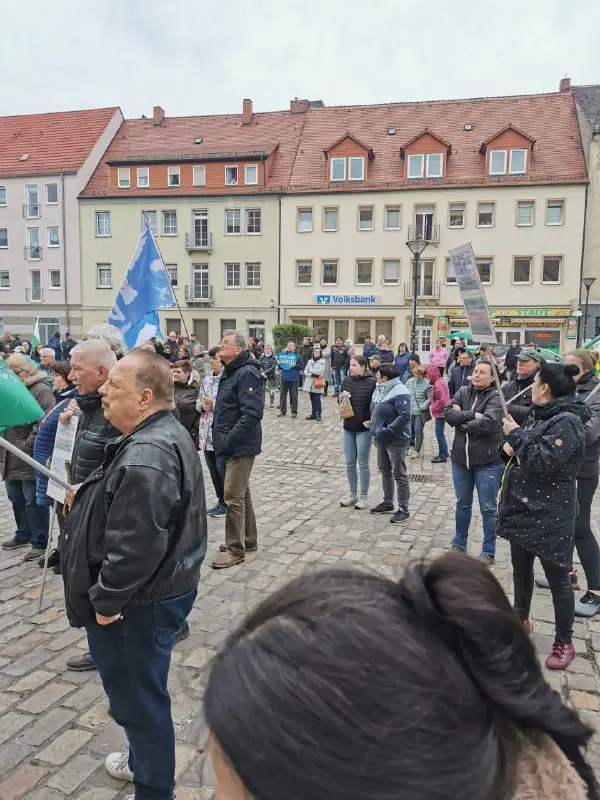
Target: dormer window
pixel 356 168
pixel 430 165
pixel 517 164
pixel 507 151
pixel 231 176
pixel 516 160
pixel 173 176
pixel 338 169
pixel 498 162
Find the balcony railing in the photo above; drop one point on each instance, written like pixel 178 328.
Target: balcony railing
pixel 31 210
pixel 198 241
pixel 35 295
pixel 430 233
pixel 33 253
pixel 427 291
pixel 201 296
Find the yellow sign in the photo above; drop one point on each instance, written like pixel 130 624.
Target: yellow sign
pixel 523 313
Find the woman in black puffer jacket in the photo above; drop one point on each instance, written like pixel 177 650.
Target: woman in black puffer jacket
pixel 360 385
pixel 186 393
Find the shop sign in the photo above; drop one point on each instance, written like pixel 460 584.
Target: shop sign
pixel 443 326
pixel 347 299
pixel 571 328
pixel 500 311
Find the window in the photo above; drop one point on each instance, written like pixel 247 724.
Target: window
pixel 392 218
pixel 253 275
pixel 251 178
pixel 199 176
pixel 53 236
pixel 498 162
pixel 383 327
pixel 102 223
pixel 169 223
pixel 231 176
pixel 330 219
pixel 429 166
pixel 143 177
pixel 305 220
pixel 200 288
pixel 356 168
pixel 173 176
pixel 424 216
pixel 485 215
pixel 330 273
pixel 4 279
pixel 304 273
pixel 555 212
pixel 3 237
pixel 362 329
pixel 232 276
pixel 123 178
pixel 253 220
pixel 416 164
pixel 34 292
pixel 484 268
pixel 54 276
pixel 364 273
pixel 551 269
pixel 517 161
pixel 228 325
pixel 232 221
pixel 2 195
pixel 256 328
pixel 32 207
pixel 150 217
pixel 341 328
pixel 434 165
pixel 517 164
pixel 450 277
pixel 390 272
pixel 338 169
pixel 525 213
pixel 456 215
pixel 173 274
pixel 521 270
pixel 365 218
pixel 103 276
pixel 51 194
pixel 34 251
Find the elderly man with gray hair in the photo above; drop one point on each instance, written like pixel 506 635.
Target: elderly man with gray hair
pixel 47 357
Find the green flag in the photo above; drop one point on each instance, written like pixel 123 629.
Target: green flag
pixel 17 405
pixel 35 339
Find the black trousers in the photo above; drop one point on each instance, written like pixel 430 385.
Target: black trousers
pixel 216 467
pixel 291 388
pixel 585 541
pixel 559 579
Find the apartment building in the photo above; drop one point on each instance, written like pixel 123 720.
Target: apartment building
pixel 506 174
pixel 45 162
pixel 210 187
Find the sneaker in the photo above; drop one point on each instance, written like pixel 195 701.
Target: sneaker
pixel 318 418
pixel 220 510
pixel 35 554
pixel 458 549
pixel 53 559
pixel 281 414
pixel 362 503
pixel 294 414
pixel 311 416
pixel 487 559
pixel 401 515
pixel 182 633
pixel 15 544
pixel 560 656
pixel 349 500
pixel 438 460
pixel 588 605
pixel 383 508
pixel 542 581
pixel 84 663
pixel 415 454
pixel 117 766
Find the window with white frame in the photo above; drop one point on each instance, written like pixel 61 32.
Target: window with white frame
pixel 365 218
pixel 143 177
pixel 253 274
pixel 169 223
pixel 173 176
pixel 392 218
pixel 456 215
pixel 515 159
pixel 54 277
pixel 199 175
pixel 434 165
pixel 522 269
pixel 123 178
pixel 2 195
pixel 517 162
pixel 251 174
pixel 53 236
pixel 51 194
pixel 233 221
pixel 330 273
pixel 356 168
pixel 103 276
pixel 173 273
pixel 364 272
pixel 102 223
pixel 416 166
pixel 304 273
pixel 330 218
pixel 555 212
pixel 231 176
pixel 498 162
pixel 3 237
pixel 525 213
pixel 390 271
pixel 484 268
pixel 485 215
pixel 450 277
pixel 305 220
pixel 4 279
pixel 552 269
pixel 151 218
pixel 338 169
pixel 232 275
pixel 253 220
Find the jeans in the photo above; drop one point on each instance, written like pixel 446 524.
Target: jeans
pixel 559 579
pixel 32 520
pixel 291 388
pixel 240 522
pixel 315 404
pixel 416 431
pixel 487 481
pixel 339 373
pixel 133 656
pixel 440 425
pixel 357 446
pixel 585 541
pixel 216 467
pixel 391 461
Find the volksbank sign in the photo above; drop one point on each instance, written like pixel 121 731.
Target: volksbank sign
pixel 347 299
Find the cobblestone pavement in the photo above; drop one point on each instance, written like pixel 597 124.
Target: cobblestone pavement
pixel 54 726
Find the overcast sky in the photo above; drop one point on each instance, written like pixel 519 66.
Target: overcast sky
pixel 204 56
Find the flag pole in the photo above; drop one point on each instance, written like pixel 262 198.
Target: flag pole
pixel 167 274
pixel 34 464
pixel 47 554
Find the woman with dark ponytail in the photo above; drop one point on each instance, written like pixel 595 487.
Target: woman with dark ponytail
pixel 538 497
pixel 345 684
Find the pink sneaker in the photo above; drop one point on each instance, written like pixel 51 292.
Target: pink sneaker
pixel 560 656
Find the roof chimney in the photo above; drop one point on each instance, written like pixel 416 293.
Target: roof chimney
pixel 565 85
pixel 247 112
pixel 298 106
pixel 158 114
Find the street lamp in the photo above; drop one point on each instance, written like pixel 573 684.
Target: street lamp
pixel 416 244
pixel 588 283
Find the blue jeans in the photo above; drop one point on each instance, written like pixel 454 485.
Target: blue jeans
pixel 133 656
pixel 487 481
pixel 339 373
pixel 440 425
pixel 416 431
pixel 358 446
pixel 32 520
pixel 315 403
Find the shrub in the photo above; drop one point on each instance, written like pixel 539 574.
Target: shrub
pixel 282 334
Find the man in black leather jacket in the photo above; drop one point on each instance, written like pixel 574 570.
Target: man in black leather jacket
pixel 131 554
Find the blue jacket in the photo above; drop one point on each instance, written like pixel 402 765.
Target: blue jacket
pixel 369 350
pixel 390 413
pixel 44 444
pixel 290 373
pixel 401 361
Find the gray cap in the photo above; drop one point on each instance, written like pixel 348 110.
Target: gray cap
pixel 529 354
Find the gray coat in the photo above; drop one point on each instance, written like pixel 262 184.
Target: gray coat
pixel 23 436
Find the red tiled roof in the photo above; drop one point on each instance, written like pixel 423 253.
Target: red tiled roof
pixel 422 133
pixel 509 127
pixel 56 142
pixel 341 138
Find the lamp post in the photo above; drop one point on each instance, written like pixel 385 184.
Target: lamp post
pixel 588 283
pixel 416 244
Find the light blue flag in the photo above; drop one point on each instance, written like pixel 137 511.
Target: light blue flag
pixel 146 288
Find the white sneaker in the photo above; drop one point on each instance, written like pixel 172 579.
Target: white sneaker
pixel 362 503
pixel 348 501
pixel 415 454
pixel 117 765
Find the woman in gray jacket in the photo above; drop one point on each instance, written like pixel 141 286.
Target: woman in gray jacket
pixel 419 389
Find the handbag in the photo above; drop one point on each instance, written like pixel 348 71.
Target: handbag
pixel 345 406
pixel 425 416
pixel 318 382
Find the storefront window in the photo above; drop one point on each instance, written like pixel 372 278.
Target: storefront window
pixel 548 339
pixel 362 328
pixel 340 327
pixel 321 327
pixel 383 327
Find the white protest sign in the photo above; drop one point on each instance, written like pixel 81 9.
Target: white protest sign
pixel 472 294
pixel 63 451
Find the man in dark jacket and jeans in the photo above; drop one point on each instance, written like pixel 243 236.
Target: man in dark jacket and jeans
pixel 237 438
pixel 528 363
pixel 475 413
pixel 131 553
